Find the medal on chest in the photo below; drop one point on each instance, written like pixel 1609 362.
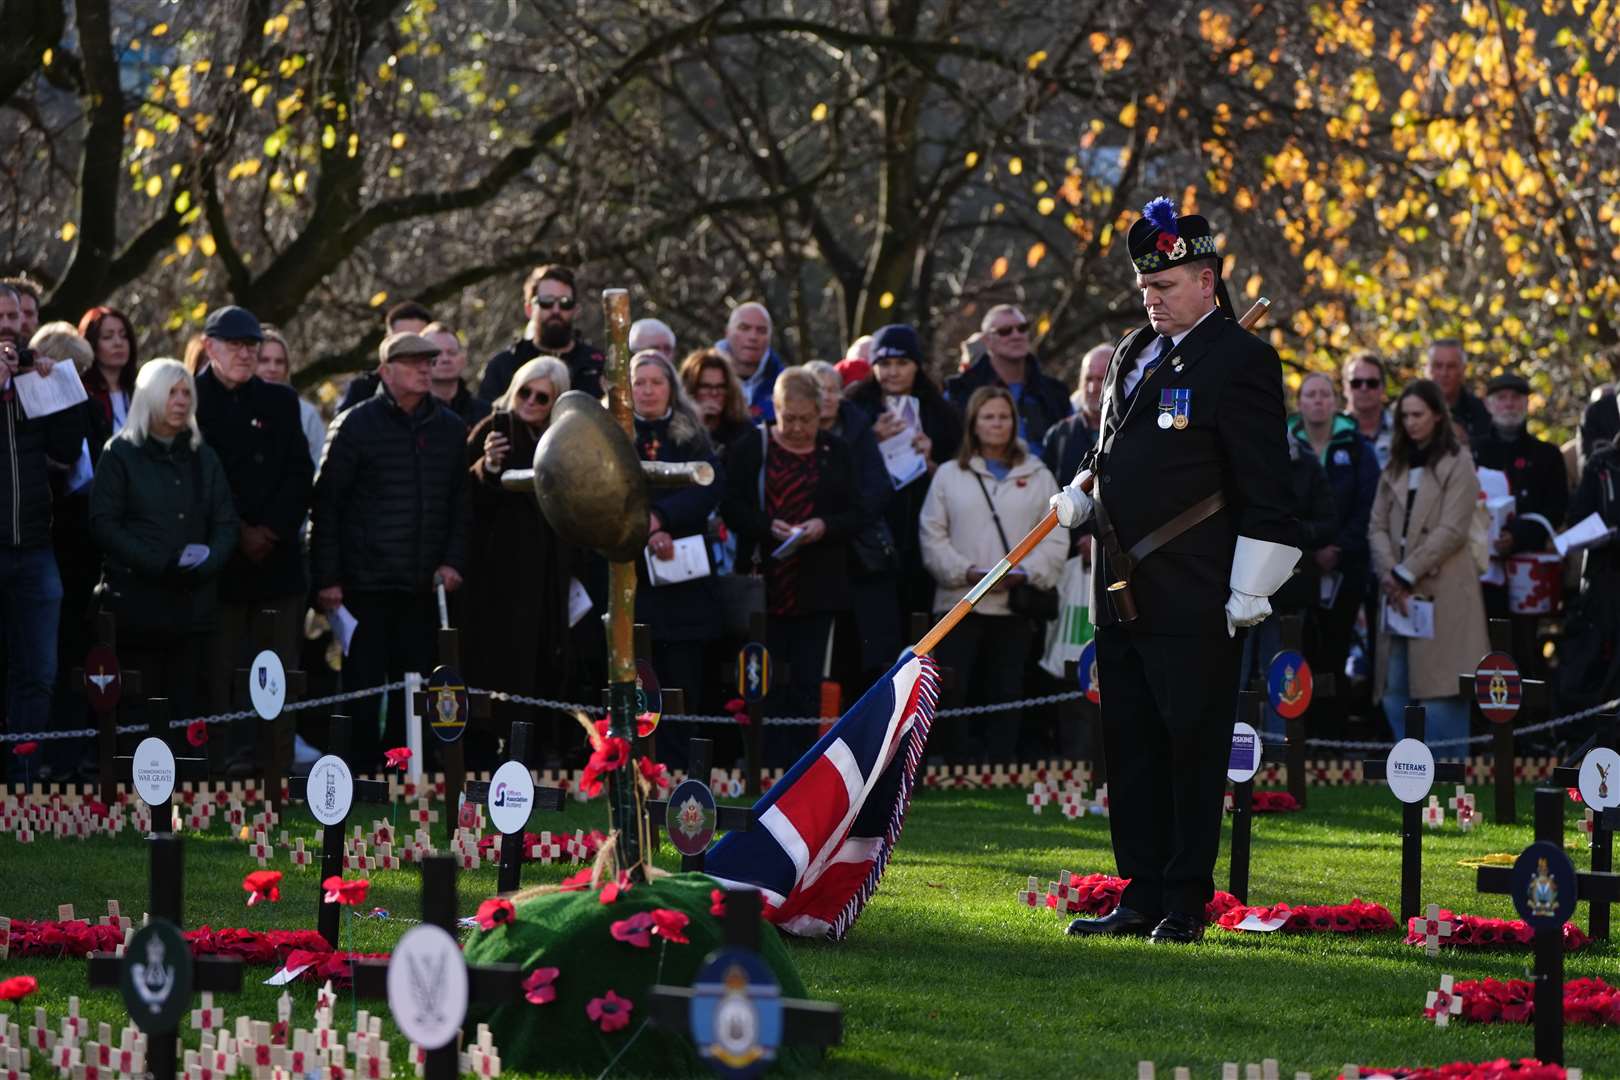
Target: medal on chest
pixel 1175 408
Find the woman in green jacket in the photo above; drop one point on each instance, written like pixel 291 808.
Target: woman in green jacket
pixel 162 515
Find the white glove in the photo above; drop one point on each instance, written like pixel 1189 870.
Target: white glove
pixel 1245 609
pixel 1072 504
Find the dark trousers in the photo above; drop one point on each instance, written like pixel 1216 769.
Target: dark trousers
pixel 171 667
pixel 393 634
pixel 798 645
pixel 986 654
pixel 1167 711
pixel 679 666
pixel 233 648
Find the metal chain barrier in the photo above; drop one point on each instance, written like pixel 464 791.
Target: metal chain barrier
pixel 727 718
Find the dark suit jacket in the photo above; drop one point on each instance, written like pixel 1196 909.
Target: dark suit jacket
pixel 1235 442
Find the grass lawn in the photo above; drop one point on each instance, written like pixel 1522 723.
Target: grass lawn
pixel 946 975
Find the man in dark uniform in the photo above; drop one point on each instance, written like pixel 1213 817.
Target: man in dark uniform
pixel 1194 534
pixel 1536 479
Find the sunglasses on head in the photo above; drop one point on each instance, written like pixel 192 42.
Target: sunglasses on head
pixel 566 303
pixel 1009 331
pixel 1365 384
pixel 539 397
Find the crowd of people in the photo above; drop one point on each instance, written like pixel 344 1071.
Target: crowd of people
pixel 184 497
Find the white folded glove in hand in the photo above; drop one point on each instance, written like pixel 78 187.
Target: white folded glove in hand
pixel 1245 609
pixel 1073 505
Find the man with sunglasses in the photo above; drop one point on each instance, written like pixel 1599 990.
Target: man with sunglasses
pixel 1364 396
pixel 1010 362
pixel 550 304
pixel 390 517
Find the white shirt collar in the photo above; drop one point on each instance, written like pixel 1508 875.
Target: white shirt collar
pixel 1176 340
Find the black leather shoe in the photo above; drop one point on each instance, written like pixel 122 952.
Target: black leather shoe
pixel 1179 929
pixel 1121 921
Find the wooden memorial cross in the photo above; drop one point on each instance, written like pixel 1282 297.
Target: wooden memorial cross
pixel 162 973
pixel 753 684
pixel 1253 706
pixel 193 769
pixel 104 690
pixel 275 737
pixel 1412 816
pixel 819 1023
pixel 329 914
pixel 1291 631
pixel 1549 942
pixel 727 818
pixel 452 755
pixel 1533 696
pixel 496 983
pixel 1604 822
pixel 545 798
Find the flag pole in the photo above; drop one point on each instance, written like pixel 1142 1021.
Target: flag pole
pixel 993 577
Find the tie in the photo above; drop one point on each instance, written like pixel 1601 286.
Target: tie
pixel 1163 345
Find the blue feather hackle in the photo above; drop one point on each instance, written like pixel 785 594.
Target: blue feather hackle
pixel 1162 213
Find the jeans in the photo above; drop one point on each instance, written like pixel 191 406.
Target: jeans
pixel 30 606
pixel 1445 719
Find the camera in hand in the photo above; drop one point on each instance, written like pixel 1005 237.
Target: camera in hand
pixel 25 358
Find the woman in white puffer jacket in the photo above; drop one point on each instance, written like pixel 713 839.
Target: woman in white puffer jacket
pixel 994 476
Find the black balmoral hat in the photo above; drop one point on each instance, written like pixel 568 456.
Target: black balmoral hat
pixel 1159 239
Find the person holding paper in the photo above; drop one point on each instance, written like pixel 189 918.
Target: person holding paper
pixel 791 496
pixel 517 564
pixel 907 407
pixel 675 595
pixel 162 512
pixel 1433 617
pixel 30 584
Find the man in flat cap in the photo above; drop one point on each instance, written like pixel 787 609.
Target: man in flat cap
pixel 1188 488
pixel 256 430
pixel 390 518
pixel 1537 480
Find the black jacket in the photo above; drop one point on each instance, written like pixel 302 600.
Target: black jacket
pixel 1472 414
pixel 585 363
pixel 1314 506
pixel 823 567
pixel 467 406
pixel 390 498
pixel 1599 425
pixel 687 610
pixel 259 436
pixel 1064 447
pixel 1235 442
pixel 1599 493
pixel 1536 477
pixel 25 489
pixel 1042 402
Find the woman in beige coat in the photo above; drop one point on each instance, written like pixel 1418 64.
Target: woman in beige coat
pixel 993 476
pixel 1422 517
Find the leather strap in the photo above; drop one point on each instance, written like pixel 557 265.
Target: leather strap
pixel 1199 511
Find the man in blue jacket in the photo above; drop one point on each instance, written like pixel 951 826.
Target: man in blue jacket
pixel 747 345
pixel 1009 361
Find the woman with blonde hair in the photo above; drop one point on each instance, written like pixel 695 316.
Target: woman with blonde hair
pixel 978 506
pixel 161 511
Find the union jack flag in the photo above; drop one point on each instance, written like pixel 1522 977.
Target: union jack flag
pixel 826 830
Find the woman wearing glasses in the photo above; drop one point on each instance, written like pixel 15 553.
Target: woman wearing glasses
pixel 516 563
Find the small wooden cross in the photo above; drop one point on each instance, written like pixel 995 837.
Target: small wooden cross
pixel 1411 816
pixel 727 818
pixel 329 915
pixel 817 1023
pixel 1435 930
pixel 209 973
pixel 494 983
pixel 275 736
pixel 1038 797
pixel 1602 826
pixel 185 768
pixel 1433 815
pixel 545 798
pixel 1030 894
pixel 1443 1004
